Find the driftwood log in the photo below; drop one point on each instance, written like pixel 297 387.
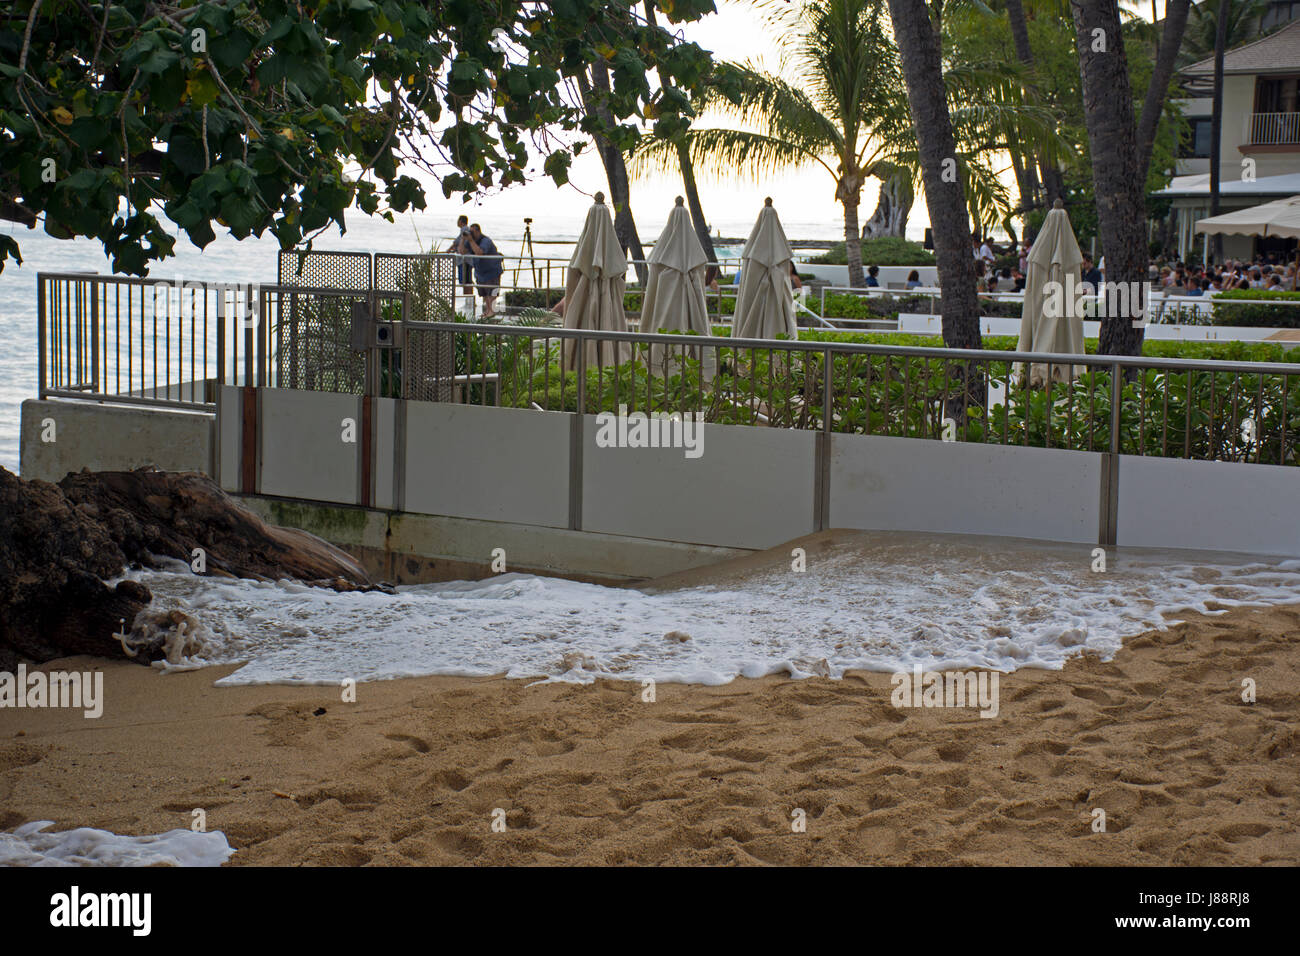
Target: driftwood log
pixel 58 544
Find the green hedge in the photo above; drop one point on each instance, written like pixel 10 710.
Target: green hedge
pixel 1152 348
pixel 885 250
pixel 1254 310
pixel 1195 414
pixel 533 298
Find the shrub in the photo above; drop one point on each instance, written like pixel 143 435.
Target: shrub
pixel 1254 310
pixel 533 298
pixel 884 250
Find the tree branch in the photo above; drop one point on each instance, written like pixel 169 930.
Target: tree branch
pixel 1162 72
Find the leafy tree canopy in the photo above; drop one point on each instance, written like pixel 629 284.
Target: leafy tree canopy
pixel 281 115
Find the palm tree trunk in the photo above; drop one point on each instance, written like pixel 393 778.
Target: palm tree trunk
pixel 893 206
pixel 1026 176
pixel 918 46
pixel 620 189
pixel 686 165
pixel 853 240
pixel 1216 122
pixel 1161 73
pixel 693 200
pixel 1118 183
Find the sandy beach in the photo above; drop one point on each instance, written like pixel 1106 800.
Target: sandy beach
pixel 411 773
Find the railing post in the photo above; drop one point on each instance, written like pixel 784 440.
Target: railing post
pixel 221 334
pixel 40 336
pixel 263 335
pixel 582 374
pixel 1116 397
pixel 94 336
pixel 249 375
pixel 828 395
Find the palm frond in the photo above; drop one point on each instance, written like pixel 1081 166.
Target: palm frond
pixel 732 151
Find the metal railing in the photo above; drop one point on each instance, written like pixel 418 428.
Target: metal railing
pixel 1207 410
pixel 1271 129
pixel 1163 308
pixel 145 341
pixel 548 273
pixel 161 342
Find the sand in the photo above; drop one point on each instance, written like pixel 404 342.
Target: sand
pixel 411 773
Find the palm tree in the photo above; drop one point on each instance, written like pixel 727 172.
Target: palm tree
pixel 1121 146
pixel 685 164
pixel 921 52
pixel 1203 27
pixel 850 116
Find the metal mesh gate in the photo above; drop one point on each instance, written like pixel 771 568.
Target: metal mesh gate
pixel 312 333
pixel 325 270
pixel 429 281
pixel 310 314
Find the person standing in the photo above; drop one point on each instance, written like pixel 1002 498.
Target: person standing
pixel 460 246
pixel 988 252
pixel 488 267
pixel 1090 275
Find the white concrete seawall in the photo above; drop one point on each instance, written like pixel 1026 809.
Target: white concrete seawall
pixel 431 489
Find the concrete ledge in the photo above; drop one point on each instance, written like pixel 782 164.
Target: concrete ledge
pixel 411 549
pixel 106 437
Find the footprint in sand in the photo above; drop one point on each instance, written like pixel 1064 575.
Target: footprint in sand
pixel 418 745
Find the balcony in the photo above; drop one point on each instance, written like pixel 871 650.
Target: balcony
pixel 1271 129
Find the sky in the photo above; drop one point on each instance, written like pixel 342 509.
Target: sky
pixel 805 198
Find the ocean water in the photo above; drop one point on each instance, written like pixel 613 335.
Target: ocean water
pixel 254 260
pixel 880 602
pixel 31 845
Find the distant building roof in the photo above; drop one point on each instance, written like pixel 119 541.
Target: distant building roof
pixel 1276 53
pixel 1199 185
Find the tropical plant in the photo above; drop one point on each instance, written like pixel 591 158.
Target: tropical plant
pixel 883 250
pixel 1202 22
pixel 849 114
pixel 283 116
pixel 1122 142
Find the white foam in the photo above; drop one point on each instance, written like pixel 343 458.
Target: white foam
pixel 882 603
pixel 30 845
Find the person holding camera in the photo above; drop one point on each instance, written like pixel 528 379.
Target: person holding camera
pixel 460 246
pixel 488 267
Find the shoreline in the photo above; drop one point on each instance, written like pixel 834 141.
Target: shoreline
pixel 590 774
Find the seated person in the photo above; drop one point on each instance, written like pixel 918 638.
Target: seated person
pixel 872 281
pixel 913 280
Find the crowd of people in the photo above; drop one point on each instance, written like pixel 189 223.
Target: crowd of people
pixel 1194 280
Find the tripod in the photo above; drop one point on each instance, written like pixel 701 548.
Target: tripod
pixel 526 252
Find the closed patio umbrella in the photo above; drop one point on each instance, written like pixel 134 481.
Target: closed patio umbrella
pixel 1048 320
pixel 674 294
pixel 765 300
pixel 593 289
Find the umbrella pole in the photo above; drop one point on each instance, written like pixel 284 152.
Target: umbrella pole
pixel 1295 273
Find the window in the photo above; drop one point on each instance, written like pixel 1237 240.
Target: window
pixel 1277 95
pixel 1196 144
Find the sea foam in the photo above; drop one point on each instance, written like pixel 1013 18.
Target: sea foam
pixel 31 845
pixel 881 602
